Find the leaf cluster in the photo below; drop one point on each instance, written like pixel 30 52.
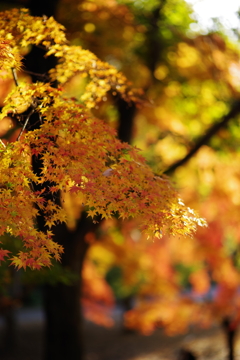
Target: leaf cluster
pixel 79 153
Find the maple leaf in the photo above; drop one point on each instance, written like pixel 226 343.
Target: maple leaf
pixel 3 253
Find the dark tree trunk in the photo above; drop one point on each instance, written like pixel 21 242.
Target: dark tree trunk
pixel 43 7
pixel 63 326
pixel 126 117
pixel 230 333
pixel 154 40
pixel 62 302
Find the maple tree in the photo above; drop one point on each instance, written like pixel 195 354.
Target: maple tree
pixel 110 177
pixel 62 148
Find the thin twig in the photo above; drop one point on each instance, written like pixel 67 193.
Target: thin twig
pixel 43 76
pixel 25 123
pixel 15 76
pixel 2 143
pixel 206 138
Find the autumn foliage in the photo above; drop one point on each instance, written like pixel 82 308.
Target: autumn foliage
pixel 79 153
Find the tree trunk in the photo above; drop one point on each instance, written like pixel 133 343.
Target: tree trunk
pixel 230 337
pixel 126 113
pixel 62 302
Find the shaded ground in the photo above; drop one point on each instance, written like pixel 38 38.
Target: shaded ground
pixel 114 344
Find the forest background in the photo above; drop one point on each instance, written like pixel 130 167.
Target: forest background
pixel 188 127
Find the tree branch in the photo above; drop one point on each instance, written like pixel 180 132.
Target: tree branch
pixel 44 77
pixel 2 143
pixel 206 138
pixel 14 73
pixel 126 119
pixel 25 124
pixel 154 38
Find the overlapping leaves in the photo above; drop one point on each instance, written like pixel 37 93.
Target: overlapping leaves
pixel 79 153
